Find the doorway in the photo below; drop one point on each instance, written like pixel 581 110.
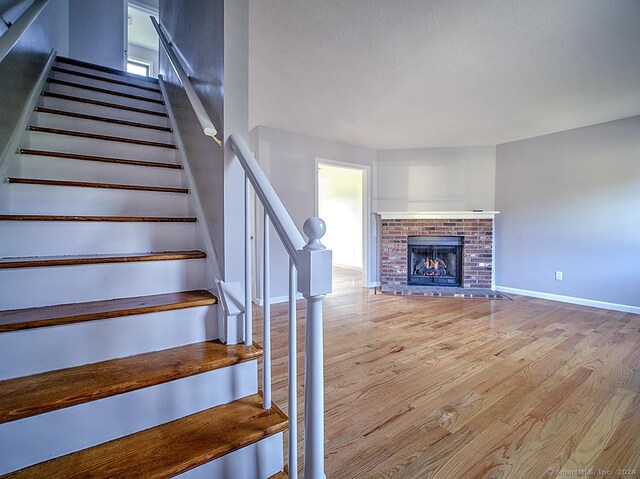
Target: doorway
pixel 142 39
pixel 341 203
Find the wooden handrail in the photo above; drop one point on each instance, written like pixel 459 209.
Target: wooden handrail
pixel 310 273
pixel 194 99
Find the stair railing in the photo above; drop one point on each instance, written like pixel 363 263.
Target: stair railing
pixel 194 99
pixel 15 31
pixel 309 274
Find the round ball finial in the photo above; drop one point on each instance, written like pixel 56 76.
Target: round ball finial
pixel 314 228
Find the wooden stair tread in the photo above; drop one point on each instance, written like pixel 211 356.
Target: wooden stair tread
pixel 86 184
pixel 62 96
pixel 105 79
pixel 47 261
pixel 41 393
pixel 103 90
pixel 104 159
pixel 83 116
pixel 18 319
pixel 102 68
pixel 169 449
pixel 95 136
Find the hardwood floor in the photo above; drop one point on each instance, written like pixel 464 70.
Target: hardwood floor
pixel 471 388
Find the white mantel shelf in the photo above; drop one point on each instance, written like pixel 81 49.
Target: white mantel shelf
pixel 437 215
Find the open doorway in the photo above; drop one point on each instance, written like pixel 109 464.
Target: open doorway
pixel 142 39
pixel 341 193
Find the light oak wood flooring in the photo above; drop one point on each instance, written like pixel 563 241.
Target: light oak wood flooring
pixel 470 388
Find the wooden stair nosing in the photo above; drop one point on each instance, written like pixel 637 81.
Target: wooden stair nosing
pixel 60 314
pixel 106 104
pixel 49 261
pixel 96 89
pixel 83 116
pixel 107 219
pixel 95 136
pixel 168 449
pixel 104 79
pixel 45 392
pixel 86 184
pixel 103 159
pixel 104 69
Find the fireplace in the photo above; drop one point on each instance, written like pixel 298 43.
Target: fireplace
pixel 472 231
pixel 434 260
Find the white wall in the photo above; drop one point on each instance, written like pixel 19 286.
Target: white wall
pixel 219 74
pixel 289 161
pixel 436 179
pixel 97 31
pixel 20 69
pixel 427 179
pixel 570 202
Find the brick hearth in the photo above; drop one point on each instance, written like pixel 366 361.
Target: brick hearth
pixel 477 248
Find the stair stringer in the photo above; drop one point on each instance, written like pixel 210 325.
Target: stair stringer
pixel 230 324
pixel 7 155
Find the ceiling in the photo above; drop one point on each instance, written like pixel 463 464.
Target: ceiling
pixel 432 73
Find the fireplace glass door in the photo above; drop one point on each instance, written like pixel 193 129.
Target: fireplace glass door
pixel 434 260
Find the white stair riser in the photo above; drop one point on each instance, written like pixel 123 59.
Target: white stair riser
pixel 45 286
pixel 260 460
pixel 127 78
pixel 58 238
pixel 51 168
pixel 89 109
pixel 61 122
pixel 33 351
pixel 65 200
pixel 91 146
pixel 94 95
pixel 106 85
pixel 38 438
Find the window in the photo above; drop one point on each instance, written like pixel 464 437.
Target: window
pixel 138 67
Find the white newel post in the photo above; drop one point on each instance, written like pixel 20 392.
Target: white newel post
pixel 314 282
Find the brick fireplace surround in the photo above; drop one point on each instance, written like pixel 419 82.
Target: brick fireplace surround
pixel 477 247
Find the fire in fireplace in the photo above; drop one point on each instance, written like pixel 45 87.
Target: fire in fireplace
pixel 434 260
pixel 430 267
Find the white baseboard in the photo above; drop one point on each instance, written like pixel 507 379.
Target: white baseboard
pixel 571 299
pixel 276 299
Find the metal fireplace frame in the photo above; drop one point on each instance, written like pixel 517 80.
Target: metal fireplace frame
pixel 435 241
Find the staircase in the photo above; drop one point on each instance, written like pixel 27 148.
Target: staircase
pixel 109 359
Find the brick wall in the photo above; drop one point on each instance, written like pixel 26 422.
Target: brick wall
pixel 477 248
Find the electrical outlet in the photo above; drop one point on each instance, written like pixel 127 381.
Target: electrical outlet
pixel 558 275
